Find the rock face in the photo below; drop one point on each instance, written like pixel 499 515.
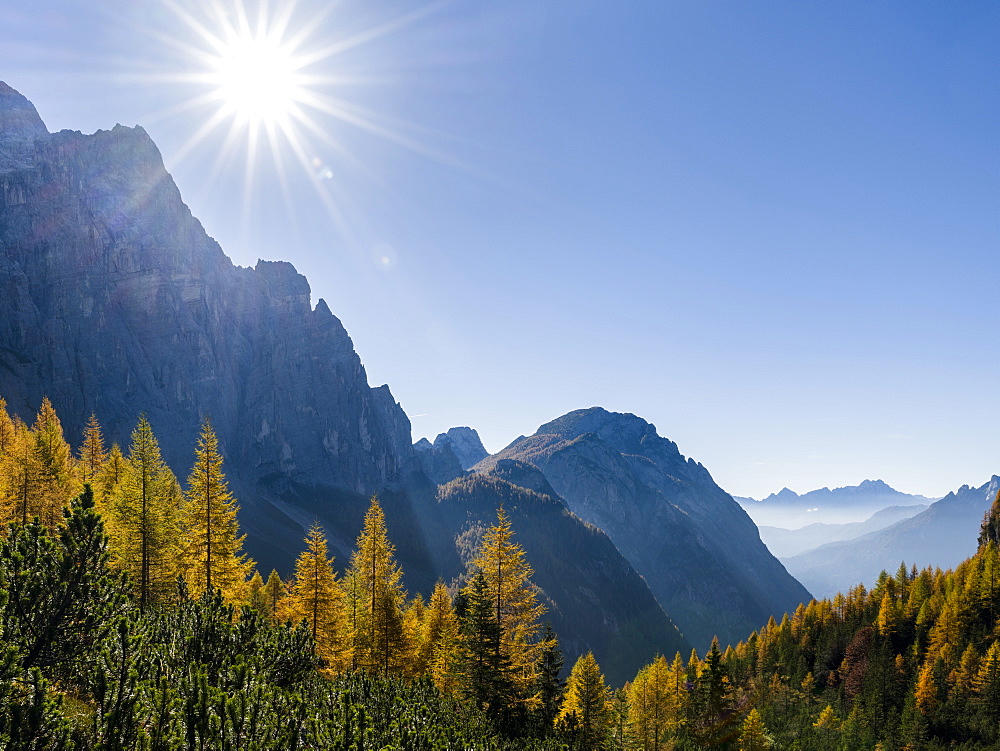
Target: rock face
pixel 20 125
pixel 697 549
pixel 942 536
pixel 113 299
pixel 450 455
pixel 465 444
pixel 438 462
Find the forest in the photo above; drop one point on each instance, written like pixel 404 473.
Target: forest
pixel 131 618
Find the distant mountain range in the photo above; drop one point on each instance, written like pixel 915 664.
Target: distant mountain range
pixel 942 535
pixel 853 503
pixel 114 300
pixel 787 542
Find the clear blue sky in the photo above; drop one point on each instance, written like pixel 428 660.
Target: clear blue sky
pixel 770 228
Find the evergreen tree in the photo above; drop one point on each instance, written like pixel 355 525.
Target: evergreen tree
pixel 550 685
pixel 376 597
pixel 485 670
pixel 516 609
pixel 585 709
pixel 143 520
pixel 314 595
pixel 990 530
pixel 211 545
pixel 62 600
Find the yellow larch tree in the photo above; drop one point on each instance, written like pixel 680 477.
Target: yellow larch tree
pixel 92 452
pixel 6 429
pixel 211 544
pixel 108 478
pixel 54 464
pixel 19 479
pixel 274 590
pixel 142 520
pixel 926 690
pixel 653 709
pixel 376 596
pixel 438 635
pixel 314 595
pixel 515 605
pixel 585 710
pixel 753 736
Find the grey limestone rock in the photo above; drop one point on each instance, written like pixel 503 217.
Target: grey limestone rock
pixel 114 300
pixel 465 444
pixel 20 125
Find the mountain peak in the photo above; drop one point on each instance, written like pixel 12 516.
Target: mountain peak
pixel 20 125
pixel 875 486
pixel 623 430
pixel 465 443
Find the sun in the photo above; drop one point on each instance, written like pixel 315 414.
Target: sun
pixel 257 79
pixel 274 87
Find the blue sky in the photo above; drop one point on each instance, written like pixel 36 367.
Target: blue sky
pixel 770 228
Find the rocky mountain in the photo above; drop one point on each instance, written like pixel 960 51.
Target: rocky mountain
pixel 787 542
pixel 450 455
pixel 695 546
pixel 466 445
pixel 114 300
pixel 943 535
pixel 853 503
pixel 595 598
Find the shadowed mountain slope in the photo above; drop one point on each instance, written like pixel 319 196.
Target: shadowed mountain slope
pixel 695 546
pixel 596 600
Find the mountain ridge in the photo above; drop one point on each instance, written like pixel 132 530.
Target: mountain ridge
pixel 615 471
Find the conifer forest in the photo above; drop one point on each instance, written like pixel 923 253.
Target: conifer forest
pixel 131 618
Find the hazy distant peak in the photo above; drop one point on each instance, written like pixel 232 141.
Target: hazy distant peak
pixel 785 494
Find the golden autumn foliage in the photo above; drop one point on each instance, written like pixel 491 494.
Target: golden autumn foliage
pixel 315 595
pixel 211 547
pixel 375 597
pixel 507 573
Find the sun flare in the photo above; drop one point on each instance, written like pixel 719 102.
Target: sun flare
pixel 257 79
pixel 268 81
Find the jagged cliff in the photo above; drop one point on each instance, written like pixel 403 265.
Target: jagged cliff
pixel 113 299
